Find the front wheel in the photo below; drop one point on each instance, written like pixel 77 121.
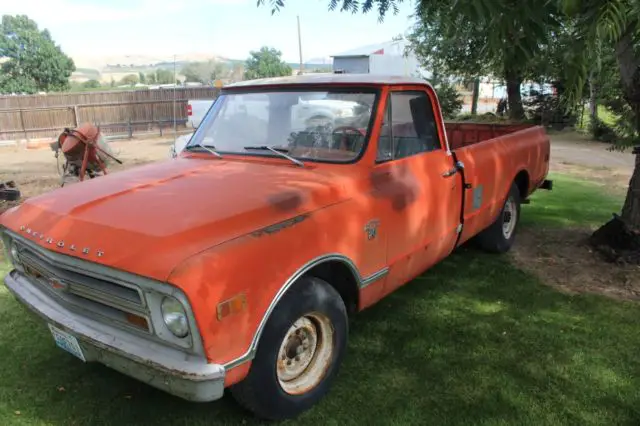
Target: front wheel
pixel 499 237
pixel 299 352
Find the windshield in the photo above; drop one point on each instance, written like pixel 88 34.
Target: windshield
pixel 308 125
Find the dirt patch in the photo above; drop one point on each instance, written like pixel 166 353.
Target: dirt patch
pixel 563 259
pixel 611 178
pixel 36 171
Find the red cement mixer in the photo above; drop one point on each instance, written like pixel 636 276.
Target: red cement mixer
pixel 85 151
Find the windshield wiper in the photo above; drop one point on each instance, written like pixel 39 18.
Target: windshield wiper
pixel 206 148
pixel 279 151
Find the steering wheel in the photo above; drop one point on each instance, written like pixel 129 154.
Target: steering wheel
pixel 346 130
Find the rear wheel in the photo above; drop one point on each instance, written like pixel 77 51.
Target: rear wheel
pixel 299 352
pixel 499 237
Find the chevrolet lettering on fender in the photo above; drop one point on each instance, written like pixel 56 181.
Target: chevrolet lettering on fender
pixel 236 265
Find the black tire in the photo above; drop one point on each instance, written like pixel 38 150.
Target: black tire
pixel 261 392
pixel 494 239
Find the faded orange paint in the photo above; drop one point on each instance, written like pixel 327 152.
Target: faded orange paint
pixel 205 224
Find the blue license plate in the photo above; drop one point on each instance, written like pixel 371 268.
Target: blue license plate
pixel 67 342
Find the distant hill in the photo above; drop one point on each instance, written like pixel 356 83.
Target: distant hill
pixel 108 67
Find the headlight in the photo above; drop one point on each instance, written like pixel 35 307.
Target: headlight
pixel 13 254
pixel 174 316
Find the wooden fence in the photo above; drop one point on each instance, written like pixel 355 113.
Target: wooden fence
pixel 117 113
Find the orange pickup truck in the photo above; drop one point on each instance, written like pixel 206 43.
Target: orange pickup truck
pixel 237 264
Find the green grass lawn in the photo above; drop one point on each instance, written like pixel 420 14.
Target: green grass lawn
pixel 573 202
pixel 473 341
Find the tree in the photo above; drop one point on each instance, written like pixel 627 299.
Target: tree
pixel 616 24
pixel 237 73
pixel 220 70
pixel 142 77
pixel 205 72
pixel 470 38
pixel 193 74
pixel 501 38
pixel 520 30
pixel 265 63
pixel 33 62
pixel 164 77
pixel 91 84
pixel 151 78
pixel 130 80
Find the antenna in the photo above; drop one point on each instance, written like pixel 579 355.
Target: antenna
pixel 300 47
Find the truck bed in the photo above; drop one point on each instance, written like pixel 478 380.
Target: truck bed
pixel 492 163
pixel 465 134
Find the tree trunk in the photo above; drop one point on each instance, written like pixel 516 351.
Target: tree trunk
pixel 619 239
pixel 514 97
pixel 631 208
pixel 629 64
pixel 476 95
pixel 593 103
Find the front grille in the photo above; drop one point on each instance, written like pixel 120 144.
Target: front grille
pixel 90 295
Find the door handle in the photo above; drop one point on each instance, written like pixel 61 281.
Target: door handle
pixel 450 172
pixel 459 165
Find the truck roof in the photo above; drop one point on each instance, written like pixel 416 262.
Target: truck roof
pixel 329 78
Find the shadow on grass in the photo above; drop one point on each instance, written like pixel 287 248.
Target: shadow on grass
pixel 472 341
pixel 572 202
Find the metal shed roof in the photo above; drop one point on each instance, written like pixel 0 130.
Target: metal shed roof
pixel 370 49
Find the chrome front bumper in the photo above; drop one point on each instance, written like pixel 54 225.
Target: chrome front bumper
pixel 171 370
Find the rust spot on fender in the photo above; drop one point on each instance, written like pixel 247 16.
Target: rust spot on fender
pixel 285 201
pixel 396 184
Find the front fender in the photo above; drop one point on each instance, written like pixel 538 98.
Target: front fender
pixel 262 265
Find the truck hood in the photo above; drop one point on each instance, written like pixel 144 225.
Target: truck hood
pixel 148 219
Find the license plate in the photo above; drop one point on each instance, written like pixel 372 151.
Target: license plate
pixel 67 342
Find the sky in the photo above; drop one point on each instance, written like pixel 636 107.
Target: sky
pixel 228 28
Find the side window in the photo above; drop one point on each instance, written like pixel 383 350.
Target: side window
pixel 409 127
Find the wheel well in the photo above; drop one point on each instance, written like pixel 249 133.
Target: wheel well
pixel 342 278
pixel 522 182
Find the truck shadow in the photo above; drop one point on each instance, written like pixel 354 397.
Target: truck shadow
pixel 474 340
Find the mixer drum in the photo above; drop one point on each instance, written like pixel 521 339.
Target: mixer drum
pixel 74 144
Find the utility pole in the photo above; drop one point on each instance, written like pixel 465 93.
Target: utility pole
pixel 300 47
pixel 175 130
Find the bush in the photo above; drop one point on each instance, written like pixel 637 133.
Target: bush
pixel 487 117
pixel 601 131
pixel 450 99
pixel 91 84
pixel 548 110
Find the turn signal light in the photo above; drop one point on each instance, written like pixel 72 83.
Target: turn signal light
pixel 232 306
pixel 137 320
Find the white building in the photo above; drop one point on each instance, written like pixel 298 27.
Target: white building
pixel 389 58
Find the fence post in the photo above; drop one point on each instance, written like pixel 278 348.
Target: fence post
pixel 24 129
pixel 75 115
pixel 130 130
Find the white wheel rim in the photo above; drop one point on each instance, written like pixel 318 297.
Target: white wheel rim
pixel 509 218
pixel 305 354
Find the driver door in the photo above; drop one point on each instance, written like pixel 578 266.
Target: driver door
pixel 421 207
